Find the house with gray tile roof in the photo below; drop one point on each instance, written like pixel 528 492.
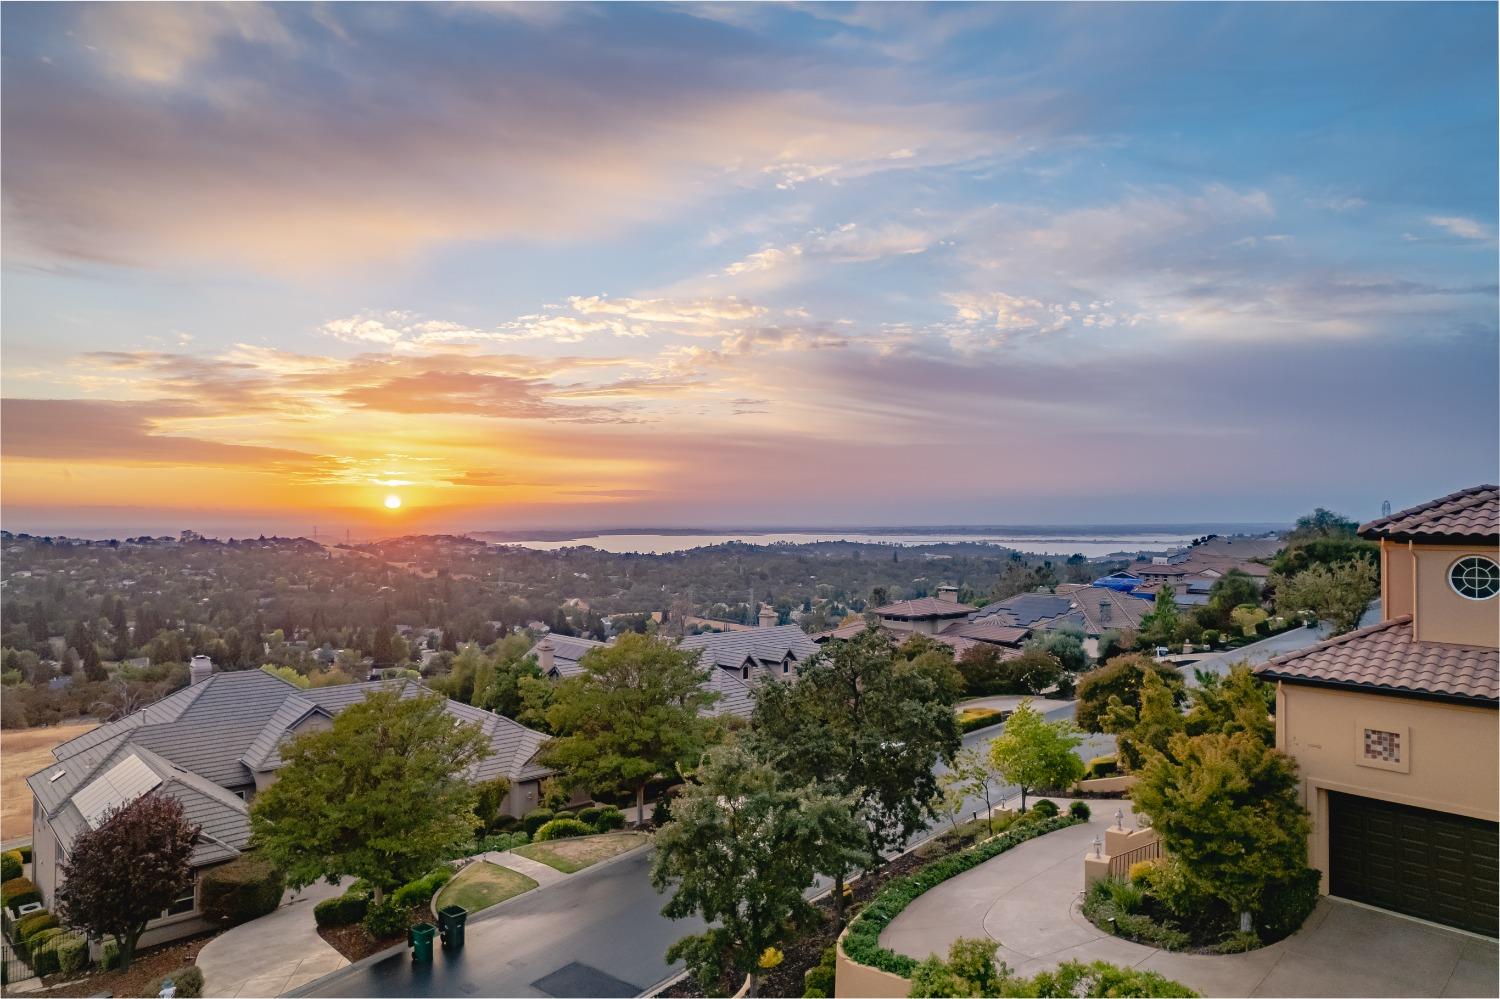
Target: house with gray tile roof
pixel 742 658
pixel 213 745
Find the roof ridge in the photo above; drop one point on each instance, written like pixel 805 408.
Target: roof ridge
pixel 1475 493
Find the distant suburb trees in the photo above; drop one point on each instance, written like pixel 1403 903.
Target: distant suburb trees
pixel 1338 593
pixel 863 723
pixel 382 794
pixel 744 844
pixel 126 872
pixel 1032 752
pixel 630 717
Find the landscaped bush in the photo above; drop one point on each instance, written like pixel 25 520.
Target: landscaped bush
pixel 25 852
pixel 1103 766
pixel 862 944
pixel 562 829
pixel 243 889
pixel 1045 807
pixel 1080 811
pixel 1140 872
pixel 18 892
pixel 188 981
pixel 1099 978
pixel 1284 908
pixel 971 970
pixel 10 865
pixel 817 981
pixel 43 957
pixel 590 815
pixel 505 823
pixel 535 819
pixel 347 908
pixel 109 956
pixel 422 889
pixel 1210 637
pixel 72 953
pixel 602 819
pixel 500 842
pixel 973 719
pixel 386 919
pixel 32 924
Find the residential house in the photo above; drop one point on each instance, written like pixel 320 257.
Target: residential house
pixel 213 746
pixel 1394 726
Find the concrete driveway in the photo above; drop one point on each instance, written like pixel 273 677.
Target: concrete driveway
pixel 1029 900
pixel 273 954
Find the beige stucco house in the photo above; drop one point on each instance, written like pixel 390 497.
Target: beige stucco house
pixel 1394 726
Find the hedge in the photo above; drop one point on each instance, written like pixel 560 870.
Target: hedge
pixel 422 889
pixel 43 958
pixel 347 908
pixel 10 865
pixel 535 819
pixel 1046 807
pixel 500 842
pixel 25 852
pixel 602 818
pixel 34 923
pixel 976 722
pixel 562 829
pixel 862 944
pixel 386 919
pixel 18 892
pixel 72 952
pixel 188 981
pixel 109 957
pixel 241 890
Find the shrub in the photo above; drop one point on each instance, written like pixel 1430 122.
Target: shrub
pixel 1284 907
pixel 18 892
pixel 386 920
pixel 1140 873
pixel 25 852
pixel 1074 978
pixel 188 981
pixel 347 908
pixel 1080 811
pixel 817 981
pixel 1103 766
pixel 422 889
pixel 590 816
pixel 505 823
pixel 1210 637
pixel 27 926
pixel 1237 943
pixel 500 842
pixel 43 957
pixel 661 812
pixel 10 865
pixel 243 889
pixel 109 956
pixel 609 818
pixel 561 829
pixel 72 953
pixel 1045 808
pixel 862 943
pixel 535 819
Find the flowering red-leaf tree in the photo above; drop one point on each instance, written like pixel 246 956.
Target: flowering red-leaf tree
pixel 125 873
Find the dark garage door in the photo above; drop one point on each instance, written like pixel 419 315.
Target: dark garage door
pixel 1427 864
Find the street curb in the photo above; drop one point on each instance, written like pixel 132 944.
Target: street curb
pixel 365 962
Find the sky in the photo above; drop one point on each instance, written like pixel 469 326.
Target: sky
pixel 267 267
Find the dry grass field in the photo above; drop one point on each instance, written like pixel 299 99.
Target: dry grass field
pixel 22 753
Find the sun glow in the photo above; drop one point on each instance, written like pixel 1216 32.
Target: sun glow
pixel 393 502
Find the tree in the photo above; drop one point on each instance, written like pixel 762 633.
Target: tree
pixel 1338 594
pixel 1227 806
pixel 1032 752
pixel 983 668
pixel 1120 677
pixel 1162 625
pixel 1233 589
pixel 1143 729
pixel 860 723
pixel 1235 702
pixel 743 846
pixel 1034 670
pixel 632 715
pixel 974 774
pixel 1064 645
pixel 1247 618
pixel 1321 524
pixel 382 794
pixel 126 872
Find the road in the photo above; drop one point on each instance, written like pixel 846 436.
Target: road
pixel 600 932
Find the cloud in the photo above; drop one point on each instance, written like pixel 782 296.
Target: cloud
pixel 1463 228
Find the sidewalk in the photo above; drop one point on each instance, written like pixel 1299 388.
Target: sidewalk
pixel 538 872
pixel 273 954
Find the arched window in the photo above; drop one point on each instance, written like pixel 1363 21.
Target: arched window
pixel 1475 577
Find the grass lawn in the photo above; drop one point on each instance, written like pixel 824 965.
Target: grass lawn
pixel 27 751
pixel 481 885
pixel 569 855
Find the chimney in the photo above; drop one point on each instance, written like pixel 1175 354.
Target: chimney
pixel 948 592
pixel 768 616
pixel 544 655
pixel 200 669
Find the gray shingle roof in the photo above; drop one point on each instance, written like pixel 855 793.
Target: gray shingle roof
pixel 1387 658
pixel 1024 609
pixel 730 649
pixel 1469 515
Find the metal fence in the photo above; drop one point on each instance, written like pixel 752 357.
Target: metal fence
pixel 1119 867
pixel 13 970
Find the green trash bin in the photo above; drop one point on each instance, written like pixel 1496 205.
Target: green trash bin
pixel 451 919
pixel 419 939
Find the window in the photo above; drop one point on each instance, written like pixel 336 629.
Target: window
pixel 186 902
pixel 1475 577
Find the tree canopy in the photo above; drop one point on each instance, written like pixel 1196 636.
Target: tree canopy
pixel 1338 593
pixel 1120 677
pixel 128 871
pixel 382 794
pixel 1033 753
pixel 744 844
pixel 633 714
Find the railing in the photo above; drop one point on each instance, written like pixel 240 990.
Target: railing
pixel 12 968
pixel 1119 866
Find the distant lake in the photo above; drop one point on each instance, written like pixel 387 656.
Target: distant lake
pixel 1089 544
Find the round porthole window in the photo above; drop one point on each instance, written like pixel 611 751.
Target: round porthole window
pixel 1475 577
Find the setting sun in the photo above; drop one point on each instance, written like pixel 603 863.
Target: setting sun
pixel 392 502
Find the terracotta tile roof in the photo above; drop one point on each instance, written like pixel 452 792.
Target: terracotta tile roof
pixel 1387 658
pixel 925 607
pixel 1471 514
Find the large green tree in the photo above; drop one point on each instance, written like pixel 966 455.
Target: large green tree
pixel 1143 729
pixel 632 715
pixel 864 723
pixel 1338 593
pixel 1227 807
pixel 126 872
pixel 1032 752
pixel 382 794
pixel 743 846
pixel 1163 625
pixel 1120 678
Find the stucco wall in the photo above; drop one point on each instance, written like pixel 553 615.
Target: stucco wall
pixel 851 979
pixel 1450 758
pixel 44 853
pixel 1442 615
